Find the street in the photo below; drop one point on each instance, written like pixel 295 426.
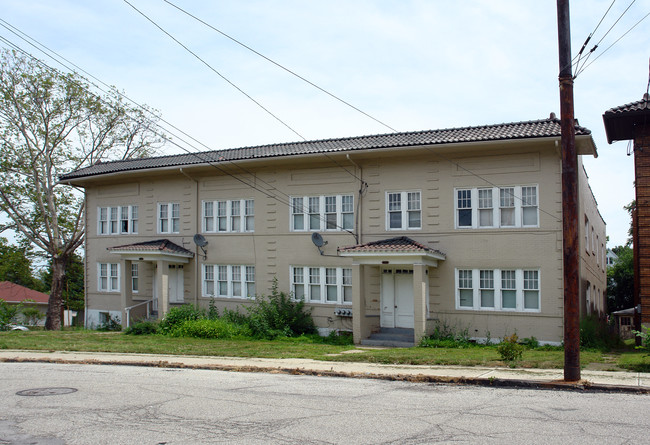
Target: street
pixel 126 404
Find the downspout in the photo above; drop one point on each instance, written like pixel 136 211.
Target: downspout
pixel 363 185
pixel 197 279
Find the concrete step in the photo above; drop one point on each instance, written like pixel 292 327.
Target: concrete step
pixel 387 343
pixel 391 337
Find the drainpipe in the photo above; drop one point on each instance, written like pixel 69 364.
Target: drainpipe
pixel 363 185
pixel 197 279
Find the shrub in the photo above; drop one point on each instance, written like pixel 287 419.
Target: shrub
pixel 447 336
pixel 142 328
pixel 206 328
pixel 530 342
pixel 178 315
pixel 339 338
pixel 509 349
pixel 32 315
pixel 8 314
pixel 594 334
pixel 235 317
pixel 112 324
pixel 278 315
pixel 644 334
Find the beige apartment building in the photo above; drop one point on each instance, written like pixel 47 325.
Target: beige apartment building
pixel 396 231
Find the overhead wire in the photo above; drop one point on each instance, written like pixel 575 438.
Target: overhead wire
pixel 584 45
pixel 233 84
pixel 200 155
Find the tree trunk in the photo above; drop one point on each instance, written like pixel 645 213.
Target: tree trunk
pixel 55 303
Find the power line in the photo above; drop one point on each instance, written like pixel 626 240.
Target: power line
pixel 279 65
pixel 584 45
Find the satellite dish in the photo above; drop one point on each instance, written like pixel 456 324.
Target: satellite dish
pixel 200 240
pixel 317 239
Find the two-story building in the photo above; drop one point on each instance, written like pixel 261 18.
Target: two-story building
pixel 461 226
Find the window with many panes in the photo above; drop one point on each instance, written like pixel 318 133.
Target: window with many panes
pixel 229 216
pixel 228 281
pixel 492 207
pixel 317 213
pixel 331 285
pixel 108 277
pixel 135 278
pixel 498 289
pixel 169 219
pixel 403 210
pixel 117 220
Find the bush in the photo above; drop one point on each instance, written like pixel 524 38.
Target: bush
pixel 278 315
pixel 339 338
pixel 530 342
pixel 509 349
pixel 206 328
pixel 594 334
pixel 32 315
pixel 112 324
pixel 8 314
pixel 142 328
pixel 447 336
pixel 177 315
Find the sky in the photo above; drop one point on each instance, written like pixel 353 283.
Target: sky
pixel 412 65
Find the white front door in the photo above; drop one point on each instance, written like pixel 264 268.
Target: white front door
pixel 176 284
pixel 397 298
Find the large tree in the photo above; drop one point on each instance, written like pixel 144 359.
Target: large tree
pixel 50 124
pixel 15 265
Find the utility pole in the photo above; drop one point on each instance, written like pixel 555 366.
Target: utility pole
pixel 570 223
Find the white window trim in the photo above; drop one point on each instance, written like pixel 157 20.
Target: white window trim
pixel 118 230
pixel 170 212
pixel 242 272
pixel 321 213
pixel 108 288
pixel 136 277
pixel 519 287
pixel 243 226
pixel 496 206
pixel 403 210
pixel 323 287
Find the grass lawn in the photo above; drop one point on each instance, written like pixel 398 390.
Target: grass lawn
pixel 86 340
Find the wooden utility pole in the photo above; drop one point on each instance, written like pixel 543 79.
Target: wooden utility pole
pixel 570 223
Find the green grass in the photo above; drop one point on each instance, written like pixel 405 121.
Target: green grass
pixel 310 348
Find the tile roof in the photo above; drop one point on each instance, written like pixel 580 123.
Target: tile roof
pixel 15 293
pixel 159 245
pixel 398 244
pixel 623 123
pixel 516 130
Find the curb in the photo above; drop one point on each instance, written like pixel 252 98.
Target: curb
pixel 581 386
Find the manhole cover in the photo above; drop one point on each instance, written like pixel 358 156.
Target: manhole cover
pixel 45 392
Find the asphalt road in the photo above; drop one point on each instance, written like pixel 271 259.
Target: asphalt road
pixel 96 404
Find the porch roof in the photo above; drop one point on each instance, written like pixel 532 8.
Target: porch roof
pixel 398 251
pixel 161 249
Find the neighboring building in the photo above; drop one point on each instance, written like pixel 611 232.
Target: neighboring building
pixel 461 226
pixel 14 293
pixel 612 258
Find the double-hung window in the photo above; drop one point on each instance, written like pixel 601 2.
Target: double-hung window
pixel 169 220
pixel 403 210
pixel 498 289
pixel 117 220
pixel 108 277
pixel 228 281
pixel 233 215
pixel 330 285
pixel 319 213
pixel 135 282
pixel 492 207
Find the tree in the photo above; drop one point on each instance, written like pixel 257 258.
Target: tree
pixel 73 283
pixel 15 265
pixel 620 280
pixel 50 124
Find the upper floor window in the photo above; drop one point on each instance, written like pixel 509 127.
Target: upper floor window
pixel 492 207
pixel 229 216
pixel 114 220
pixel 498 289
pixel 169 217
pixel 403 210
pixel 322 284
pixel 317 213
pixel 108 277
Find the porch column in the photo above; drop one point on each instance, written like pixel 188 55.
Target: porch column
pixel 420 296
pixel 162 286
pixel 125 290
pixel 360 328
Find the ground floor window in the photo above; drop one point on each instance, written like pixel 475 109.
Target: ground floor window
pixel 228 281
pixel 108 277
pixel 498 289
pixel 322 284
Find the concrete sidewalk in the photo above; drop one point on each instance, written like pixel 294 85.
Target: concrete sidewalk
pixel 633 382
